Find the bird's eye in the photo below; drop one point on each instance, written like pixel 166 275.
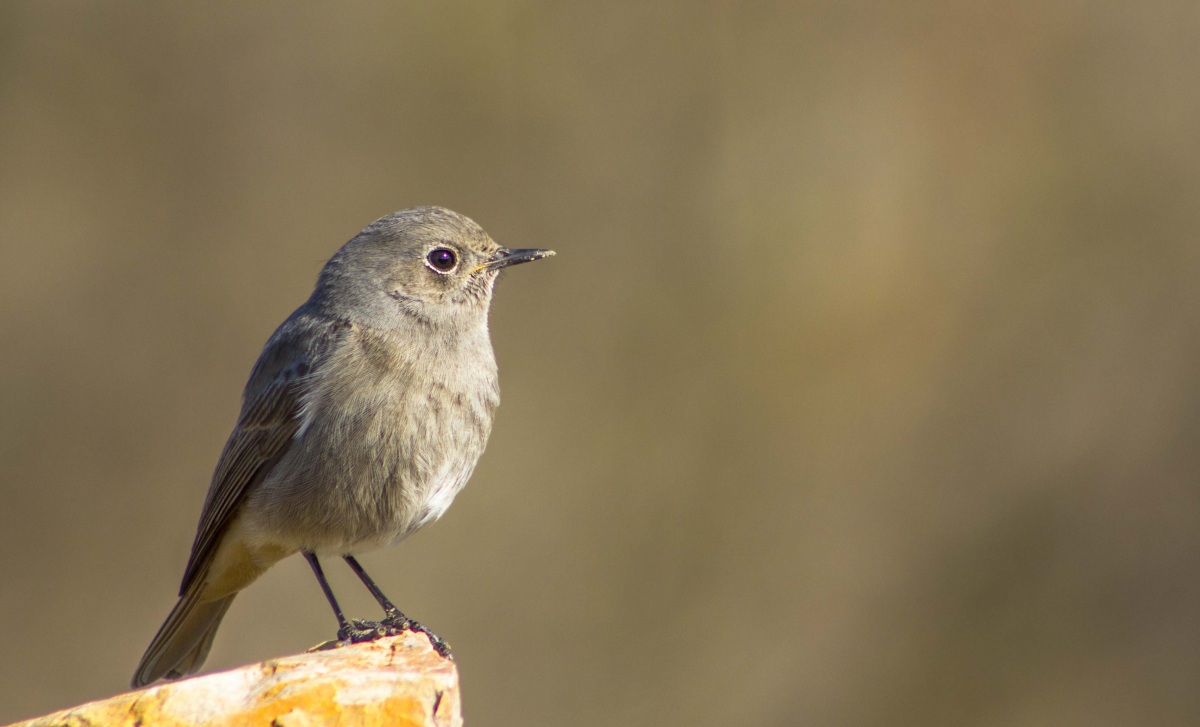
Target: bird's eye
pixel 442 259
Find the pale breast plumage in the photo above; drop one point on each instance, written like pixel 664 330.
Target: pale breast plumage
pixel 321 498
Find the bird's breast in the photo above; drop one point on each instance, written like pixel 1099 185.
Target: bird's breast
pixel 387 439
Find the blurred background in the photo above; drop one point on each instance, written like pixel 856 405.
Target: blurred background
pixel 863 389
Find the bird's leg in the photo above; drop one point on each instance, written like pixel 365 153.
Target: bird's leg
pixel 389 608
pixel 350 632
pixel 393 617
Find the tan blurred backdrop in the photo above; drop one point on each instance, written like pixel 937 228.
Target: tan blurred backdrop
pixel 863 390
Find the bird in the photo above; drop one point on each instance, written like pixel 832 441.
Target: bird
pixel 362 419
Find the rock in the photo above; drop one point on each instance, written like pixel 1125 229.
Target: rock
pixel 399 680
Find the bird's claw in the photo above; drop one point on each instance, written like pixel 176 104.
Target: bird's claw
pixel 399 623
pixel 357 632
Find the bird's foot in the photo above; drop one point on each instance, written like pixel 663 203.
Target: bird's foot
pixel 399 623
pixel 356 631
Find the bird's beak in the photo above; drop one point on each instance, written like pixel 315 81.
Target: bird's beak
pixel 505 257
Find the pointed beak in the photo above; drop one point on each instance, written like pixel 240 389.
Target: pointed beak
pixel 505 257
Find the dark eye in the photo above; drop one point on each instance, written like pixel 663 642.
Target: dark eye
pixel 442 259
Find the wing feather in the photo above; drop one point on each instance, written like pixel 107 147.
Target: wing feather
pixel 270 418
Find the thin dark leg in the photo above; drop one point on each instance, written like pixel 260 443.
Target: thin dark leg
pixel 320 574
pixel 393 617
pixel 348 631
pixel 389 608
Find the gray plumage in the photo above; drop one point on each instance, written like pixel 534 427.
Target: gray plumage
pixel 362 419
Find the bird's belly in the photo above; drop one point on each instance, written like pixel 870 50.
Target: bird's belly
pixel 372 480
pixel 398 508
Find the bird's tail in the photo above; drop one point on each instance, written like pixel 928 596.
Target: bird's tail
pixel 182 644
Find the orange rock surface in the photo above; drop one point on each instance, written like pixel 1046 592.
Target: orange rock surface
pixel 397 681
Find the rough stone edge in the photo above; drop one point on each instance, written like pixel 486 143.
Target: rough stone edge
pixel 398 680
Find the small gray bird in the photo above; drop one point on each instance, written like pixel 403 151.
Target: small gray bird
pixel 363 418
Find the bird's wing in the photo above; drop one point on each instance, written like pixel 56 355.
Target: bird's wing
pixel 265 430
